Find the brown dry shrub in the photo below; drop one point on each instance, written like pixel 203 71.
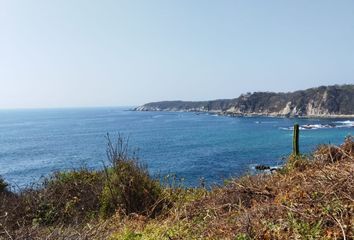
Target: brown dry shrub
pixel 314 203
pixel 64 198
pixel 3 185
pixel 331 153
pixel 11 212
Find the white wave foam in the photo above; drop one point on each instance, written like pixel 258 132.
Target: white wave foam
pixel 340 124
pixel 345 122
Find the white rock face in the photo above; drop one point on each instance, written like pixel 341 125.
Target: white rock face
pixel 286 110
pixel 233 110
pixel 313 110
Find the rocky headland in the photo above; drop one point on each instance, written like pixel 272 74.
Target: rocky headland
pixel 324 101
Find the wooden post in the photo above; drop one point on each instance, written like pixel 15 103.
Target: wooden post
pixel 296 151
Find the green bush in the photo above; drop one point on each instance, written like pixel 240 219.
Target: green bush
pixel 69 197
pixel 78 196
pixel 128 186
pixel 130 189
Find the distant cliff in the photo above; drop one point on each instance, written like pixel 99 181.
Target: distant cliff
pixel 324 101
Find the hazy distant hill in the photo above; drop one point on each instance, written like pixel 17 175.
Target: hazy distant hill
pixel 322 101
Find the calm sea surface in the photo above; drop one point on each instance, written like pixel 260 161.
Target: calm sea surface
pixel 34 143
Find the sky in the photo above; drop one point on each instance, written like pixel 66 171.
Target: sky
pixel 81 53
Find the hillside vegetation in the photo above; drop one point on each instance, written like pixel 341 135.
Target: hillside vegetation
pixel 311 197
pixel 326 101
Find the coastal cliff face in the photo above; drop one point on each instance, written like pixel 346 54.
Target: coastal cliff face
pixel 324 101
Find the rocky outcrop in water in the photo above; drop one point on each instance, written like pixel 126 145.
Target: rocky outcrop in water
pixel 324 101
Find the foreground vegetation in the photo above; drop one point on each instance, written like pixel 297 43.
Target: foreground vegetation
pixel 311 197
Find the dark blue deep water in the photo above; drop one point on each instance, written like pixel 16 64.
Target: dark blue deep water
pixel 33 143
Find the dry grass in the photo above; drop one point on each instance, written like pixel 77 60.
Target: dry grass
pixel 311 199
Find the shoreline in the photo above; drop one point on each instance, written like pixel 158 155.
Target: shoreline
pixel 229 114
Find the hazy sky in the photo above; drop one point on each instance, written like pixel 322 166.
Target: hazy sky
pixel 63 53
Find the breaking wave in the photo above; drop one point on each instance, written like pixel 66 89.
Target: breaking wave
pixel 337 124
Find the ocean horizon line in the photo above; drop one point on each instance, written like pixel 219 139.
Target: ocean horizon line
pixel 68 107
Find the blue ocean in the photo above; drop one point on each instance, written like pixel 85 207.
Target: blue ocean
pixel 34 143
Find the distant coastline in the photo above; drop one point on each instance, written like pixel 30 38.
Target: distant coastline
pixel 335 101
